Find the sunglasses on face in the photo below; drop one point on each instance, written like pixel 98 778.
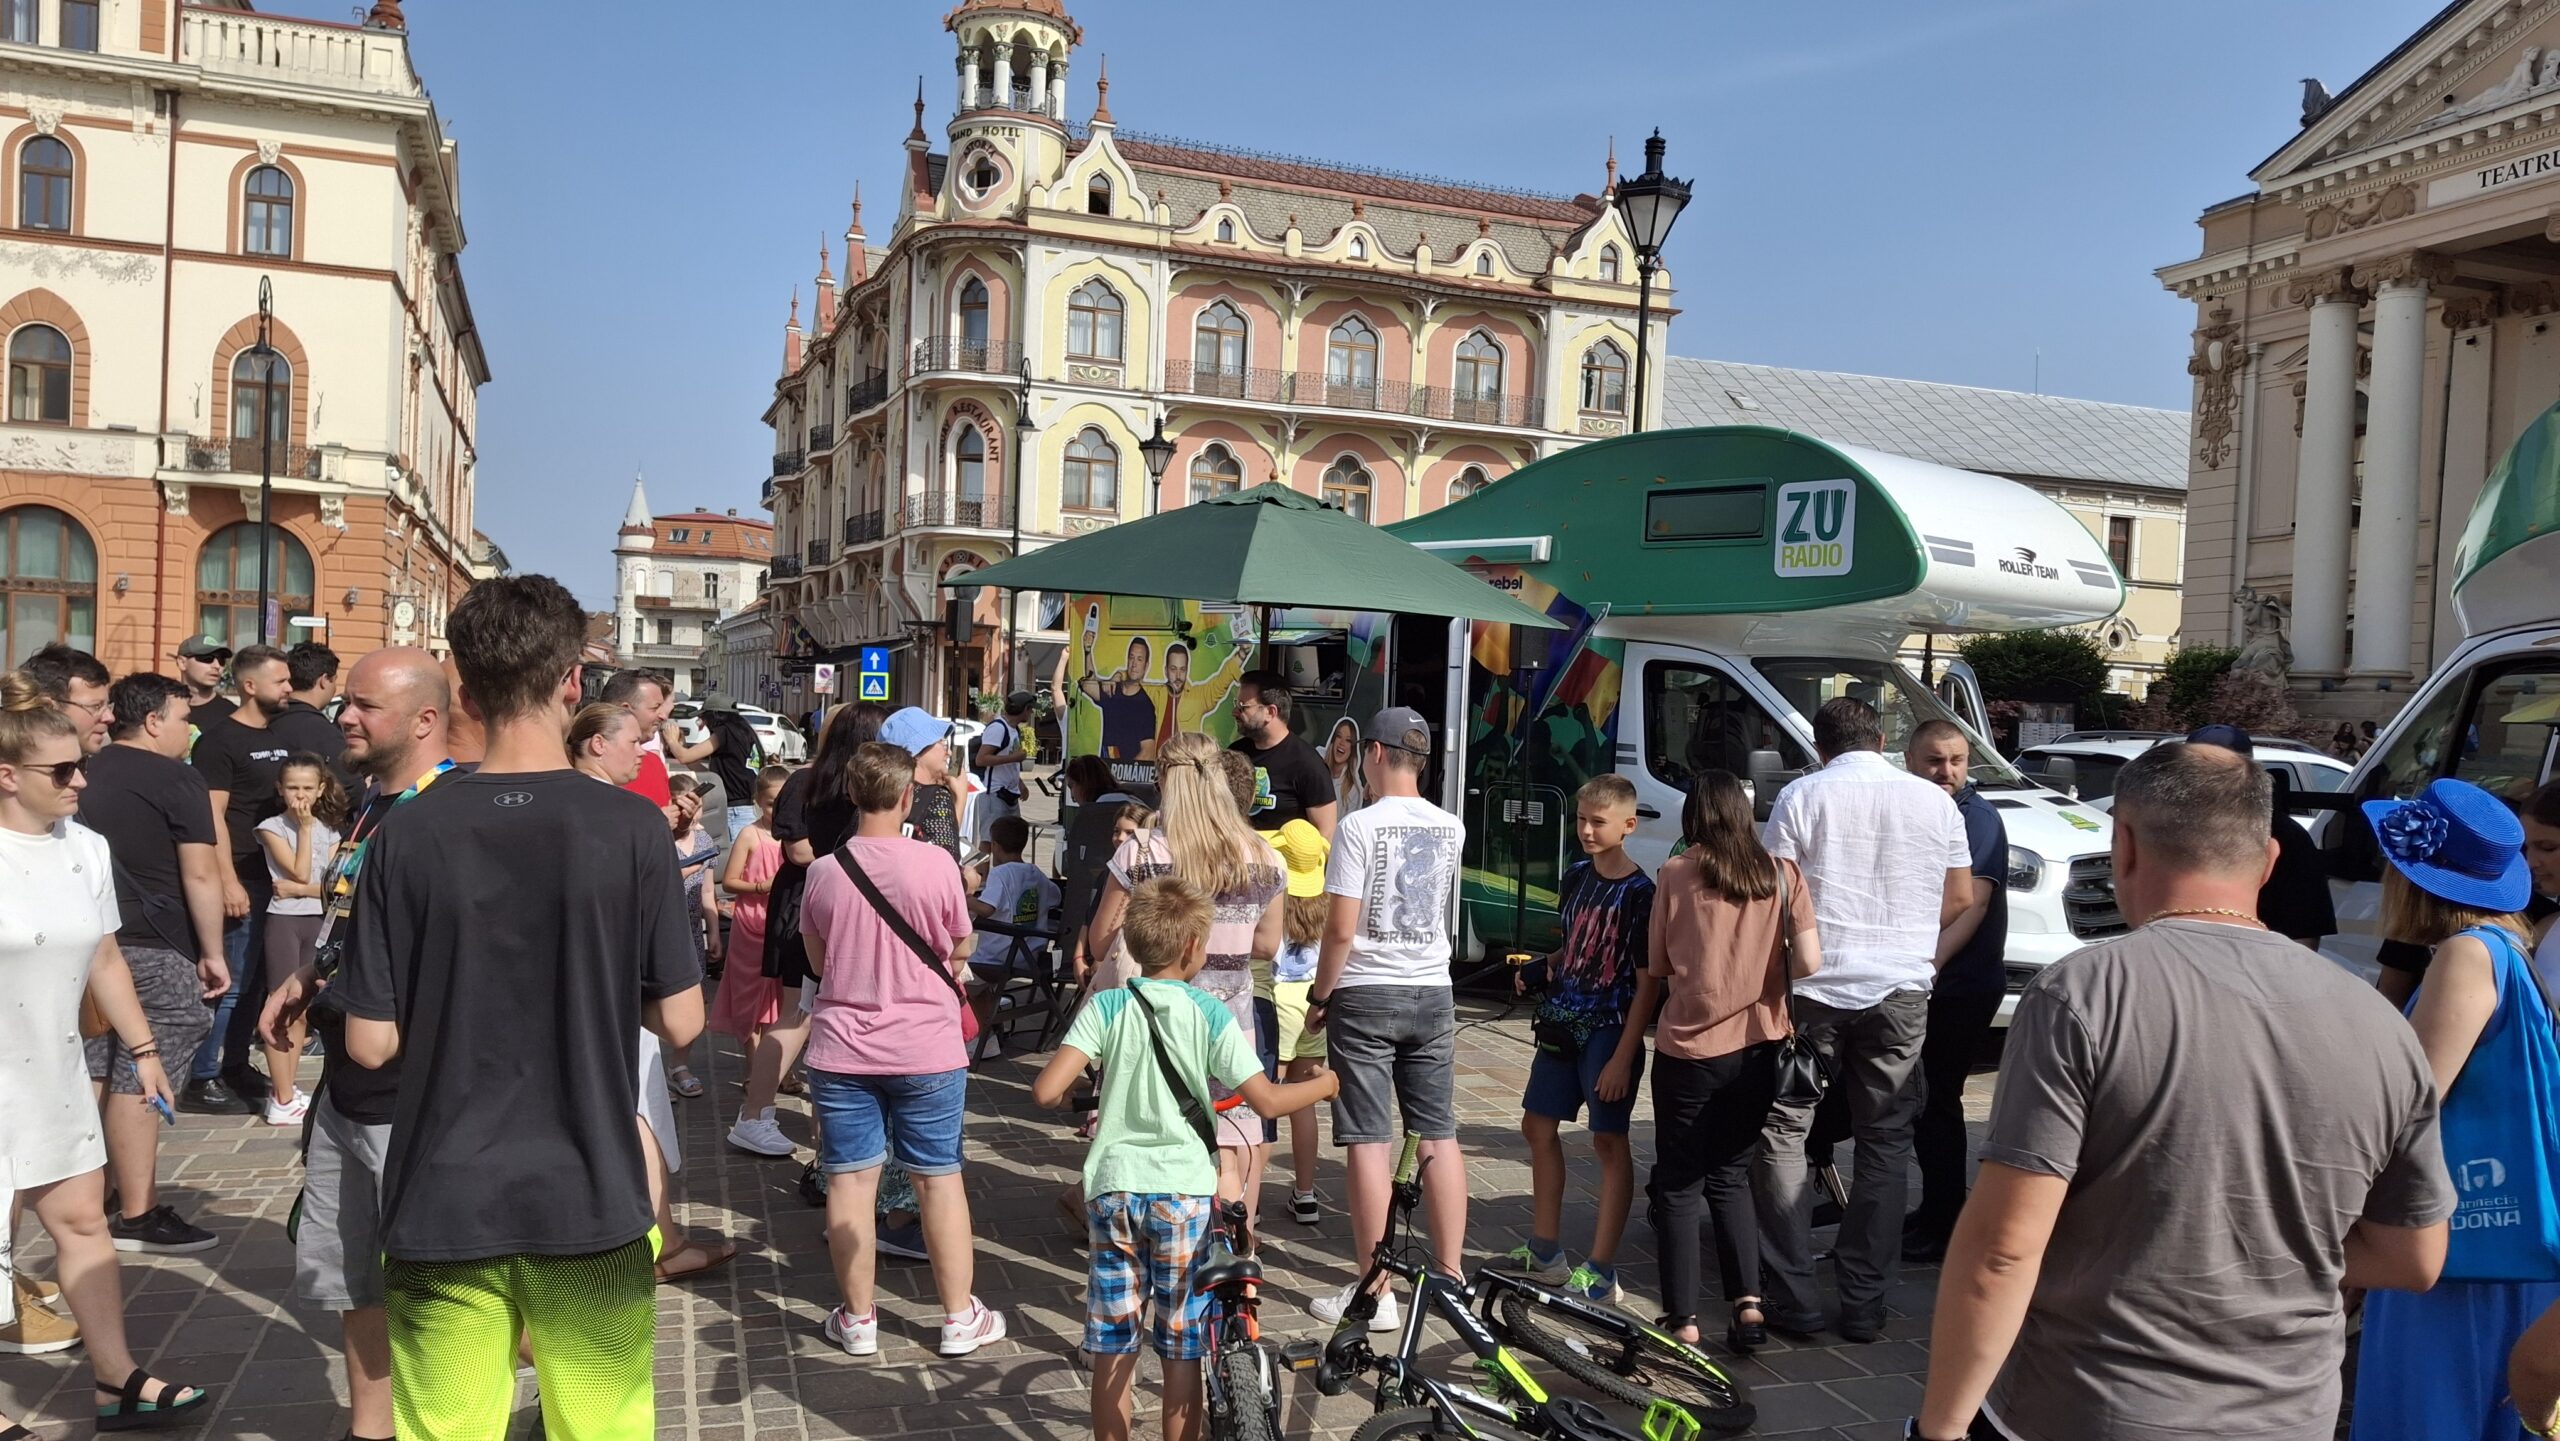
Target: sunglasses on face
pixel 60 772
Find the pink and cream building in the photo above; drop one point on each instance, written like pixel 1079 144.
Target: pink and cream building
pixel 1385 341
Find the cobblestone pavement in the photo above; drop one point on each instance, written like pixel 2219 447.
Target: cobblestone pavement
pixel 739 1352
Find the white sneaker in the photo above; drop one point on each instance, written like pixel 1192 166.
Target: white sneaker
pixel 1330 1310
pixel 291 1112
pixel 980 1327
pixel 760 1135
pixel 858 1335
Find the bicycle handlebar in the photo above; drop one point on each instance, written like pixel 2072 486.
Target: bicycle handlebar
pixel 1405 1165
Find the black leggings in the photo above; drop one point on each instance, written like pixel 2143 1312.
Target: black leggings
pixel 1707 1118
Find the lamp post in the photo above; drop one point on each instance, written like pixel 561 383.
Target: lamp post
pixel 1023 431
pixel 1650 203
pixel 266 354
pixel 1159 454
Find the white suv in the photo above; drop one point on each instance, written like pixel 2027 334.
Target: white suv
pixel 2083 764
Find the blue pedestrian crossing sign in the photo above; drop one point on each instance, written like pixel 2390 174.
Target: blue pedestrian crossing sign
pixel 875 674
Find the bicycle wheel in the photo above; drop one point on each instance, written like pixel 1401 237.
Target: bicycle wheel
pixel 1245 1414
pixel 1422 1423
pixel 1627 1362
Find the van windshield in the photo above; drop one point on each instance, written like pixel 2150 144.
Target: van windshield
pixel 1902 701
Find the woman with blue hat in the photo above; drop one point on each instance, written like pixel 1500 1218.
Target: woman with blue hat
pixel 2433 1364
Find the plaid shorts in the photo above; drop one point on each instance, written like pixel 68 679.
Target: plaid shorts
pixel 1145 1248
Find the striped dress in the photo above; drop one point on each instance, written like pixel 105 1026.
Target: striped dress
pixel 1229 973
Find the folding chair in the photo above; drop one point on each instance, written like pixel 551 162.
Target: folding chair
pixel 1027 982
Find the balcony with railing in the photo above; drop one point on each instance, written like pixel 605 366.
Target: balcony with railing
pixel 315 53
pixel 243 457
pixel 1393 397
pixel 864 394
pixel 821 438
pixel 1017 100
pixel 862 529
pixel 785 567
pixel 943 507
pixel 938 353
pixel 816 551
pixel 788 462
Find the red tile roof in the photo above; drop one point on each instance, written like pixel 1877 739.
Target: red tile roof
pixel 1315 175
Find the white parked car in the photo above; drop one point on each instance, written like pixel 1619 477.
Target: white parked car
pixel 2083 764
pixel 780 740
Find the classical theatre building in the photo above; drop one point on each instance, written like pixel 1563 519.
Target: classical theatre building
pixel 2376 320
pixel 1052 289
pixel 159 161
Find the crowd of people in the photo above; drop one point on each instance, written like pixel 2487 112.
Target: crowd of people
pixel 2208 1141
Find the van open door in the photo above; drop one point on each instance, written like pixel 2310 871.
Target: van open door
pixel 1960 691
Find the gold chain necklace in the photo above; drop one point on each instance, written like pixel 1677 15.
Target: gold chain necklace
pixel 2203 911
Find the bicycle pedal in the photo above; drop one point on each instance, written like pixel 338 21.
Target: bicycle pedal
pixel 1302 1355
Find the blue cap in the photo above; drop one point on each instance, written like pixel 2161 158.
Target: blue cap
pixel 2228 737
pixel 2458 843
pixel 914 730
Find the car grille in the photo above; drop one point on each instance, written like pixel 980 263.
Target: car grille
pixel 2089 899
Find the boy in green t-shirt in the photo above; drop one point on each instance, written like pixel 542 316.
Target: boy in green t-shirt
pixel 1150 1178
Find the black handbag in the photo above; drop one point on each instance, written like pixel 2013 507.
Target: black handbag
pixel 1802 1074
pixel 786 954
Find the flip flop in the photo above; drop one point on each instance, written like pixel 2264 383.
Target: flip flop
pixel 726 1252
pixel 684 1083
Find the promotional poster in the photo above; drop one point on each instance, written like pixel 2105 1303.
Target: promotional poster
pixel 1139 670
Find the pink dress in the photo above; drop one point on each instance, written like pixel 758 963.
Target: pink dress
pixel 749 999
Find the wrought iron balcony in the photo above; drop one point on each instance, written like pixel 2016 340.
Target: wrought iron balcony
pixel 821 437
pixel 864 394
pixel 942 507
pixel 785 567
pixel 816 551
pixel 862 529
pixel 976 357
pixel 243 457
pixel 788 462
pixel 1393 397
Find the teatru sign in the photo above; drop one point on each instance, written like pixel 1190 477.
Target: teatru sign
pixel 2481 179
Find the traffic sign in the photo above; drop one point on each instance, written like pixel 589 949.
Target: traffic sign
pixel 822 678
pixel 875 686
pixel 875 674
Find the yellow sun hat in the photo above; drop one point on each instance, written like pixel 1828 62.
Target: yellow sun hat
pixel 1303 850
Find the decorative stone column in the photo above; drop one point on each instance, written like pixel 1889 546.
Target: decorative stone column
pixel 2387 540
pixel 2323 486
pixel 1040 85
pixel 969 82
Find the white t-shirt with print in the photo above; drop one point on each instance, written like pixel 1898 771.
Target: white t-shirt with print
pixel 1001 735
pixel 1021 896
pixel 1398 856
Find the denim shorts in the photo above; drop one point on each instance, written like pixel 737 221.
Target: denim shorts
pixel 1395 1049
pixel 1560 1086
pixel 862 1117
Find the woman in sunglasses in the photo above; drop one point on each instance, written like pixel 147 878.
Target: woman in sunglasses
pixel 57 941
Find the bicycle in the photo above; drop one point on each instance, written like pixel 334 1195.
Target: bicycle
pixel 1680 1391
pixel 1241 1371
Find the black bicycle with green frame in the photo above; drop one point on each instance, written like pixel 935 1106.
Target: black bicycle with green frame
pixel 1665 1390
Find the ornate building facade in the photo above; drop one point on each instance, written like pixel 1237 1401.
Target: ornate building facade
pixel 159 161
pixel 676 577
pixel 1052 290
pixel 2375 324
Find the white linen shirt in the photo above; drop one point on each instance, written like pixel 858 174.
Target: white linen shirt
pixel 1875 843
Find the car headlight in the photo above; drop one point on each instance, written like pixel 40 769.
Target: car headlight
pixel 2026 869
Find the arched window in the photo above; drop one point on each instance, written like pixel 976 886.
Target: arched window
pixel 261 393
pixel 1218 350
pixel 1346 487
pixel 1214 471
pixel 1604 379
pixel 1479 378
pixel 1092 479
pixel 227 584
pixel 44 185
pixel 48 583
pixel 1097 195
pixel 1484 262
pixel 40 376
pixel 973 311
pixel 1609 262
pixel 1359 248
pixel 969 466
pixel 1093 321
pixel 267 214
pixel 1226 231
pixel 1469 481
pixel 1351 363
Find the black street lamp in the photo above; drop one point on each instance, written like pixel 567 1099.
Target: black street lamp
pixel 267 358
pixel 1159 454
pixel 1023 433
pixel 1650 203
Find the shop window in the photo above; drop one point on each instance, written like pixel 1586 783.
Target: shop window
pixel 48 583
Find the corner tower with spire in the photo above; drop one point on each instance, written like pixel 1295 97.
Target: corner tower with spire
pixel 631 550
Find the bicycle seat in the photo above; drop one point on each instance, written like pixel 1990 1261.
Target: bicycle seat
pixel 1224 1268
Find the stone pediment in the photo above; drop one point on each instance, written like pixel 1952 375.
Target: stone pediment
pixel 2485 63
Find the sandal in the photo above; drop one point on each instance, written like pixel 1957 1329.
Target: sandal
pixel 131 1412
pixel 17 1433
pixel 719 1256
pixel 1745 1337
pixel 684 1083
pixel 793 1086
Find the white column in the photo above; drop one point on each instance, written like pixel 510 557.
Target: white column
pixel 2323 484
pixel 2387 542
pixel 1040 85
pixel 2467 456
pixel 969 82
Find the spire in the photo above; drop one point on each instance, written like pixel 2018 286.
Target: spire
pixel 916 136
pixel 386 15
pixel 637 517
pixel 791 336
pixel 857 264
pixel 1102 94
pixel 1611 187
pixel 826 307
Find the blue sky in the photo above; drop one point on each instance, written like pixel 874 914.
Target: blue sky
pixel 1940 191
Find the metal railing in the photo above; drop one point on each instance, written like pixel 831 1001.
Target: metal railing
pixel 821 437
pixel 862 529
pixel 816 551
pixel 978 357
pixel 1016 99
pixel 242 457
pixel 1393 397
pixel 864 394
pixel 788 462
pixel 942 507
pixel 785 567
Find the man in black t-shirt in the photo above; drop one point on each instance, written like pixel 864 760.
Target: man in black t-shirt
pixel 1965 998
pixel 732 759
pixel 240 757
pixel 158 822
pixel 1290 781
pixel 200 663
pixel 77 685
pixel 515 1195
pixel 2294 903
pixel 312 670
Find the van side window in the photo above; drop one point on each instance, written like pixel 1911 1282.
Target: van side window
pixel 1696 719
pixel 2493 729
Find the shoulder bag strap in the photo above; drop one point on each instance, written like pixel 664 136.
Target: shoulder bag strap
pixel 898 923
pixel 1184 1095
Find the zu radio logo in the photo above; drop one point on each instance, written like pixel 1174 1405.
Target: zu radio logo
pixel 1817 527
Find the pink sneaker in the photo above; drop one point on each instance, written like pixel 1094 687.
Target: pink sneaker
pixel 964 1334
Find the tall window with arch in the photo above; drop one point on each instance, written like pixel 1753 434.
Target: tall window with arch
pixel 1609 263
pixel 1467 483
pixel 227 583
pixel 1477 384
pixel 1484 262
pixel 267 212
pixel 39 376
pixel 48 583
pixel 1604 379
pixel 1226 231
pixel 969 475
pixel 1351 363
pixel 1090 478
pixel 1215 471
pixel 1218 350
pixel 1097 195
pixel 1359 248
pixel 261 398
pixel 1093 322
pixel 1346 486
pixel 973 315
pixel 44 185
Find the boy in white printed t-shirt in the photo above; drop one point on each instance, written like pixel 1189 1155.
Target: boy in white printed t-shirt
pixel 1014 894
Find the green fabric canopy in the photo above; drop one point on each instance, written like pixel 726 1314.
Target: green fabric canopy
pixel 1268 546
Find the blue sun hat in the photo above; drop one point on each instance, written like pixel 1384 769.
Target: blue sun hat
pixel 2457 843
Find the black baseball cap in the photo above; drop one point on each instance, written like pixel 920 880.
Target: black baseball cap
pixel 2228 737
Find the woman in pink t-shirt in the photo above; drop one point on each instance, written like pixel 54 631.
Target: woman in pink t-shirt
pixel 888 1067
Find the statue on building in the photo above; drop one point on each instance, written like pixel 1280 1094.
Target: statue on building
pixel 2263 649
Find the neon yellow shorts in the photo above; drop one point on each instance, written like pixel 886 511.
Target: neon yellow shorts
pixel 1297 1043
pixel 593 1322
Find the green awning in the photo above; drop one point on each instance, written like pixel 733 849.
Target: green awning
pixel 1268 546
pixel 2502 564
